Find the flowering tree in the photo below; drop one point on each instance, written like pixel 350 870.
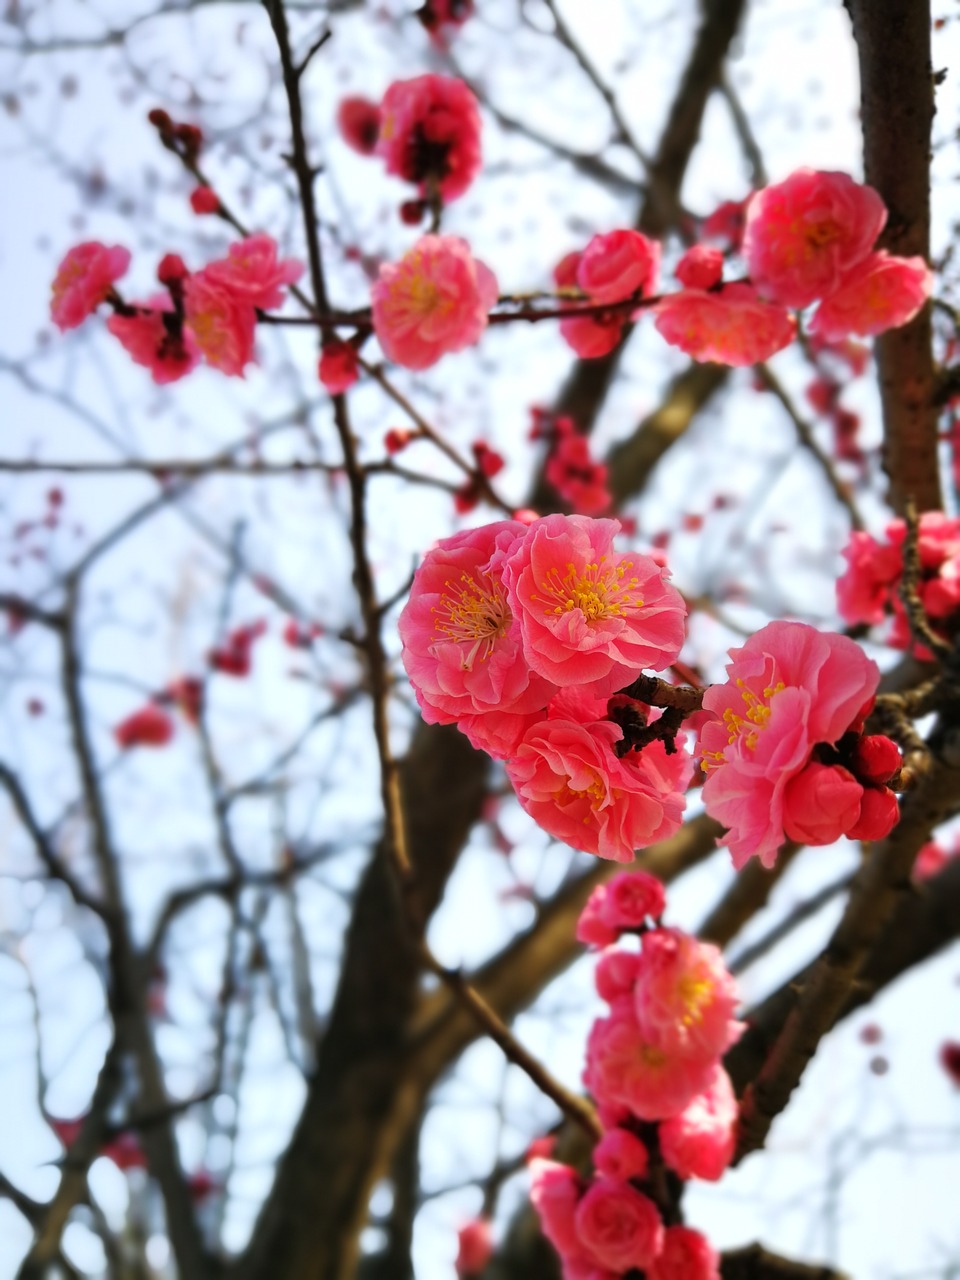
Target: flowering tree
pixel 443 647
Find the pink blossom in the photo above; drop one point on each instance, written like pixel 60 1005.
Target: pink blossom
pixel 686 1255
pixel 872 570
pixel 358 120
pixel 430 134
pixel 684 997
pixel 618 1225
pixel 338 368
pixel 618 265
pixel 578 479
pixel 434 300
pixel 461 643
pixel 569 779
pixel 222 324
pixel 726 223
pixel 621 1155
pixel 252 272
pixel 790 688
pixel 615 973
pixel 700 1141
pixel 589 616
pixel 554 1192
pixel 84 278
pixel 592 931
pixel 804 234
pixel 882 292
pixel 592 335
pixel 475 1247
pixel 701 267
pixel 820 803
pixel 631 899
pixel 156 339
pixel 732 326
pixel 626 1069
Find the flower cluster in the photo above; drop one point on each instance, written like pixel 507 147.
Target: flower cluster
pixel 783 748
pixel 579 479
pixel 433 301
pixel 519 634
pixel 654 1069
pixel 869 590
pixel 807 239
pixel 429 135
pixel 613 268
pixel 210 314
pixel 810 239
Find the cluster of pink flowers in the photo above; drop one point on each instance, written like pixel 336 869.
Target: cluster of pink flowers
pixel 613 268
pixel 519 634
pixel 210 314
pixel 807 239
pixel 654 1069
pixel 578 478
pixel 869 590
pixel 427 131
pixel 810 239
pixel 783 747
pixel 433 301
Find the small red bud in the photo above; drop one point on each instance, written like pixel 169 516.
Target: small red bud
pixel 160 119
pixel 171 269
pixel 412 212
pixel 204 200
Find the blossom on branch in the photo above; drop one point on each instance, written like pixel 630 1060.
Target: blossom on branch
pixel 222 323
pixel 433 301
pixel 358 120
pixel 568 777
pixel 779 746
pixel 253 273
pixel 157 338
pixel 880 293
pixel 733 325
pixel 804 234
pixel 461 643
pixel 589 616
pixel 84 278
pixel 430 134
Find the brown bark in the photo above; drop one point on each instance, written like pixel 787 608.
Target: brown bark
pixel 896 96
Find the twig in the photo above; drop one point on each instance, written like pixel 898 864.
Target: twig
pixel 808 440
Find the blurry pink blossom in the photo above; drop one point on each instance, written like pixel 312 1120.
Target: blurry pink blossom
pixel 84 278
pixel 433 301
pixel 430 134
pixel 804 234
pixel 732 326
pixel 880 293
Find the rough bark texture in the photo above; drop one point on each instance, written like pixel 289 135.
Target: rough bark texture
pixel 896 96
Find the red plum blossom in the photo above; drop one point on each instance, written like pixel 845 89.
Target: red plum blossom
pixel 430 134
pixel 433 301
pixel 84 278
pixel 804 234
pixel 589 616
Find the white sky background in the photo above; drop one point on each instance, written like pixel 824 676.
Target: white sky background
pixel 153 607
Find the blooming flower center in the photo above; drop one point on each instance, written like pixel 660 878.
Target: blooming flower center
pixel 746 727
pixel 473 611
pixel 596 792
pixel 820 234
pixel 597 590
pixel 694 993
